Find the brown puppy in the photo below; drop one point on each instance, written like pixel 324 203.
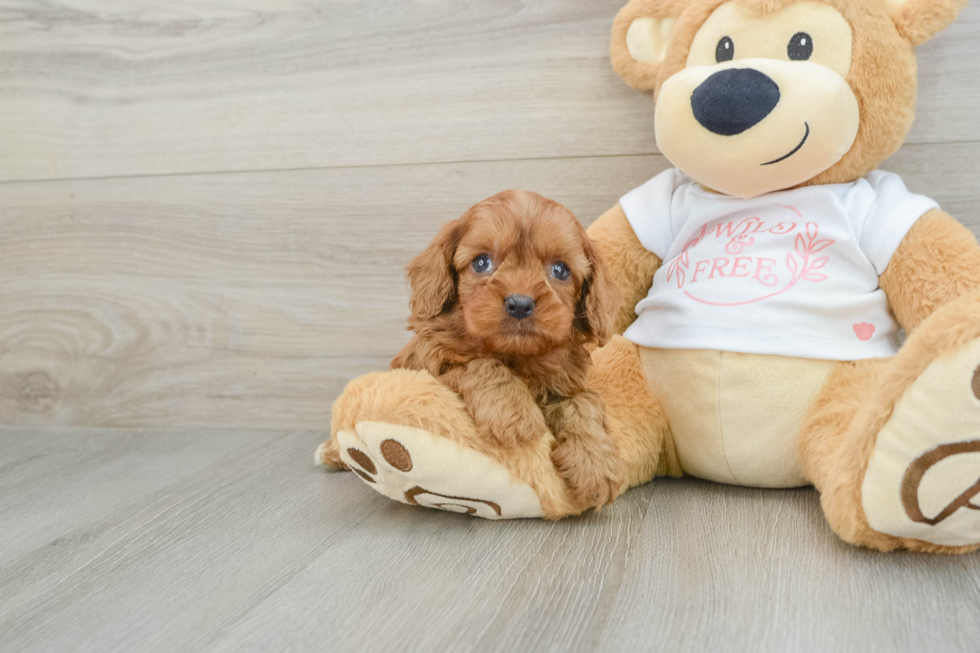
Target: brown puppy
pixel 504 303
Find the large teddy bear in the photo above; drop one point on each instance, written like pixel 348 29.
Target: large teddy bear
pixel 766 279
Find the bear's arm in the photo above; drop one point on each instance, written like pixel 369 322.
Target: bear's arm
pixel 630 265
pixel 938 261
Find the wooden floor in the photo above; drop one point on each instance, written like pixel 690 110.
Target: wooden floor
pixel 205 209
pixel 191 540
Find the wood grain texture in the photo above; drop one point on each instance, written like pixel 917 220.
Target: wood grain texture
pixel 94 89
pixel 250 299
pixel 205 208
pixel 235 299
pixel 217 541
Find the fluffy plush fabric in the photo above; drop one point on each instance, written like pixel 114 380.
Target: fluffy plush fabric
pixel 840 471
pixel 882 74
pixel 631 266
pixel 724 429
pixel 937 262
pixel 415 399
pixel 642 75
pixel 841 411
pixel 920 20
pixel 637 420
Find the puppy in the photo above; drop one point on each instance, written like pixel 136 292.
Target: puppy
pixel 507 302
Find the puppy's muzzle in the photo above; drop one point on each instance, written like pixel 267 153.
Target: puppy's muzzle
pixel 519 306
pixel 731 101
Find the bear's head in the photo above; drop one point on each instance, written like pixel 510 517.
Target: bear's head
pixel 755 96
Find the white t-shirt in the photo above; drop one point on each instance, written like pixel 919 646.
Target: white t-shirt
pixel 792 273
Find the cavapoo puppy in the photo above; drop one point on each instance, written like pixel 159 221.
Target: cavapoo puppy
pixel 506 303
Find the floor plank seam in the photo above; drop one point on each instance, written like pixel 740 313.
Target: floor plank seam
pixel 407 164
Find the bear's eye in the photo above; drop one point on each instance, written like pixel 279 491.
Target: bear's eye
pixel 725 50
pixel 800 47
pixel 482 264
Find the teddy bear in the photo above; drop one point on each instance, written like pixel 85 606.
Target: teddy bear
pixel 767 278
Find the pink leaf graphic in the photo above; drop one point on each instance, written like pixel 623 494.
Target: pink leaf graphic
pixel 819 263
pixel 791 263
pixel 816 277
pixel 800 244
pixel 821 244
pixel 812 230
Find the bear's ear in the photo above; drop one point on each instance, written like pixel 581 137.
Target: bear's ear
pixel 640 35
pixel 920 20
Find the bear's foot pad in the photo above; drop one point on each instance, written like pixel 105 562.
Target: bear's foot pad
pixel 414 466
pixel 923 478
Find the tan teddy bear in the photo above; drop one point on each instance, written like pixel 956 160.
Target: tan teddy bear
pixel 767 277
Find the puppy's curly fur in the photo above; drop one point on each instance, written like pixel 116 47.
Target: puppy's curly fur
pixel 523 370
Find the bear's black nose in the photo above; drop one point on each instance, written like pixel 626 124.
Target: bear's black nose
pixel 519 306
pixel 731 101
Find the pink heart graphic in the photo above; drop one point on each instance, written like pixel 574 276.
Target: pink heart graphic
pixel 864 331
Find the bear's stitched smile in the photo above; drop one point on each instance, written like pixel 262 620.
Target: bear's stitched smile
pixel 795 150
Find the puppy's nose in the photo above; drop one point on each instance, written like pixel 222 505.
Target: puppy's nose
pixel 519 306
pixel 731 101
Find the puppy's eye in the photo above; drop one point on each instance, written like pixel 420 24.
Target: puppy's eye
pixel 482 264
pixel 560 271
pixel 800 47
pixel 725 50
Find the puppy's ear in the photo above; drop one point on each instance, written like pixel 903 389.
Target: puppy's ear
pixel 600 300
pixel 920 20
pixel 640 35
pixel 432 275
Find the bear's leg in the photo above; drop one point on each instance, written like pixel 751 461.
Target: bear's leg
pixel 893 445
pixel 328 454
pixel 635 418
pixel 410 438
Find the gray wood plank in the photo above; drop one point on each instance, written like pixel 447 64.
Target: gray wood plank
pixel 453 585
pixel 724 568
pixel 239 543
pixel 41 473
pixel 231 299
pixel 250 299
pixel 91 89
pixel 200 547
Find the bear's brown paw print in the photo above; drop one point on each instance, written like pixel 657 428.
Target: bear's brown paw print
pixel 923 478
pixel 414 466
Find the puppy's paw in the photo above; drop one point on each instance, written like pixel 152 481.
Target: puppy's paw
pixel 489 369
pixel 501 405
pixel 595 475
pixel 328 454
pixel 521 425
